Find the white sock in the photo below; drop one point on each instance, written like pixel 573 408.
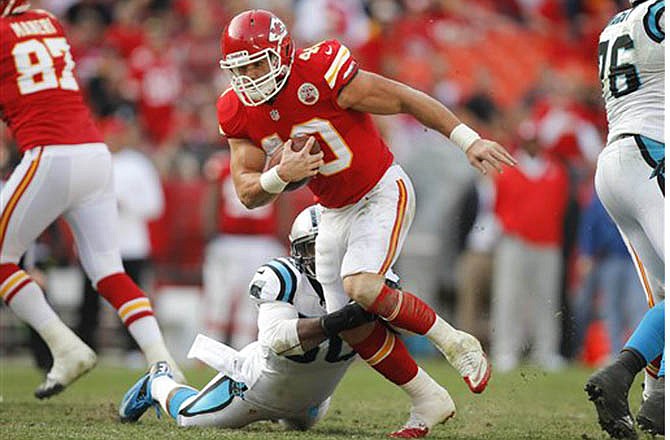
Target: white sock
pixel 162 388
pixel 31 307
pixel 441 334
pixel 146 332
pixel 59 338
pixel 148 336
pixel 430 401
pixel 420 386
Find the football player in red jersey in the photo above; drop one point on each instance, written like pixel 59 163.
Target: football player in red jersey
pixel 65 170
pixel 278 93
pixel 242 240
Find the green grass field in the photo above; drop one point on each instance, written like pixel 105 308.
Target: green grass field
pixel 525 404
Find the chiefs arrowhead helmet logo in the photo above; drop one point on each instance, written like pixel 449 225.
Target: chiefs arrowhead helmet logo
pixel 277 30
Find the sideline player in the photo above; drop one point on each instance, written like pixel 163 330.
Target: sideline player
pixel 630 181
pixel 65 170
pixel 278 93
pixel 292 370
pixel 244 239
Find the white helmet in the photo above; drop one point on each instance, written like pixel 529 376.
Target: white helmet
pixel 303 238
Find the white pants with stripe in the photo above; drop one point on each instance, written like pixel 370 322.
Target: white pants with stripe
pixel 636 203
pixel 366 236
pixel 70 180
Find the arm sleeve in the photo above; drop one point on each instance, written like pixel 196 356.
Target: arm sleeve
pixel 278 328
pixel 340 65
pixel 331 65
pixel 273 288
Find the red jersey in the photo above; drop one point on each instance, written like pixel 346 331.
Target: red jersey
pixel 40 99
pixel 233 216
pixel 355 155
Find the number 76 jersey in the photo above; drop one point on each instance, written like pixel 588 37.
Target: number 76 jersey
pixel 40 99
pixel 355 155
pixel 632 71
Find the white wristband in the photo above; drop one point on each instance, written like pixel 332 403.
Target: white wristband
pixel 463 136
pixel 271 182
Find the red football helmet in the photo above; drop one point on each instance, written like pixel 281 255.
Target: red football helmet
pixel 8 7
pixel 251 37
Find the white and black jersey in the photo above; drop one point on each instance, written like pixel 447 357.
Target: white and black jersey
pixel 632 71
pixel 292 383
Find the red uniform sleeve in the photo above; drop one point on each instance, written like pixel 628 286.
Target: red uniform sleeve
pixel 232 116
pixel 333 62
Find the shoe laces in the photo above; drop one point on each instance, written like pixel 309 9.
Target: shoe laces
pixel 468 363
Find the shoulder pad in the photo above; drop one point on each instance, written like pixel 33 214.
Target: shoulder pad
pixel 276 280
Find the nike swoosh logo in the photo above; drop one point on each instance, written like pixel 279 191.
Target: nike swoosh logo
pixel 261 271
pixel 329 50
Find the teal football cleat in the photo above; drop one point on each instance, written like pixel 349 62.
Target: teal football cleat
pixel 138 398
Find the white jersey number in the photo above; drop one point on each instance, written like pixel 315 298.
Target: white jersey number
pixel 333 141
pixel 623 76
pixel 34 60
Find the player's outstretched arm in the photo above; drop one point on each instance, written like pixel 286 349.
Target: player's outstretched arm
pixel 257 188
pixel 372 93
pixel 283 333
pixel 313 331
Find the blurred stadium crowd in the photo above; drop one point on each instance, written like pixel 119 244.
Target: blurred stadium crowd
pixel 522 72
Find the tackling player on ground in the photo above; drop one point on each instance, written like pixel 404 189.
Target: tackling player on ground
pixel 292 370
pixel 630 181
pixel 65 170
pixel 279 93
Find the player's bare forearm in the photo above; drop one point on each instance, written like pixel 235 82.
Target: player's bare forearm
pixel 250 192
pixel 372 93
pixel 310 333
pixel 246 165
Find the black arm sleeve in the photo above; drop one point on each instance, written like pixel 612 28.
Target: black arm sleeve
pixel 350 316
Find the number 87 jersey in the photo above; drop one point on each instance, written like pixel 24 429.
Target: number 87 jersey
pixel 40 99
pixel 632 70
pixel 355 155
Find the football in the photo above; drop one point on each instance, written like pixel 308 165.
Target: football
pixel 297 145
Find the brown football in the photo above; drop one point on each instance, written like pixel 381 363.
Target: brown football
pixel 297 145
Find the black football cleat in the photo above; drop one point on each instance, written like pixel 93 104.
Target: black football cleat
pixel 651 418
pixel 608 390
